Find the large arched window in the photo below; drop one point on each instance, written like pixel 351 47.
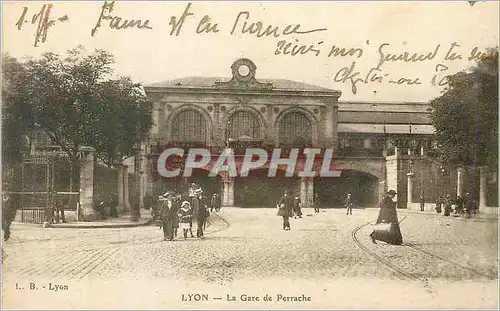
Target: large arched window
pixel 244 125
pixel 295 129
pixel 189 126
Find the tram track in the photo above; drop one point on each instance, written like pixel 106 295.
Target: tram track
pixel 387 263
pixel 404 274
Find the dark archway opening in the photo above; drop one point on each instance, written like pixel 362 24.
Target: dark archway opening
pixel 332 191
pixel 259 190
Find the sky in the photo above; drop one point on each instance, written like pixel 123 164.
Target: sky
pixel 154 55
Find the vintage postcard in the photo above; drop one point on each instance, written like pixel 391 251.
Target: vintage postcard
pixel 249 155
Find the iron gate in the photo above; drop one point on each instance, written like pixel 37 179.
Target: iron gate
pixel 38 182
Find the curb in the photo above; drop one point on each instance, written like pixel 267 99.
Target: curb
pixel 103 226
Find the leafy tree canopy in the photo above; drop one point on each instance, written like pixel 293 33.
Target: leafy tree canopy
pixel 76 101
pixel 466 116
pixel 17 118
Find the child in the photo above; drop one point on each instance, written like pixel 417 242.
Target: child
pixel 185 217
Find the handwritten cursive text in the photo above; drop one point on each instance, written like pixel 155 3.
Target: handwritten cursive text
pixel 260 30
pixel 43 19
pixel 406 57
pixel 116 21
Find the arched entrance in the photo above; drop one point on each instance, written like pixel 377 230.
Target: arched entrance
pixel 259 190
pixel 332 191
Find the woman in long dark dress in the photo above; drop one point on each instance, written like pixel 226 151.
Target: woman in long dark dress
pixel 389 216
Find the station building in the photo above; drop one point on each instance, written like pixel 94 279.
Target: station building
pixel 378 146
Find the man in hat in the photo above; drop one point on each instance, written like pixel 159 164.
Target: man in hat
pixel 317 202
pixel 388 215
pixel 200 212
pixel 349 204
pixel 168 212
pixel 285 209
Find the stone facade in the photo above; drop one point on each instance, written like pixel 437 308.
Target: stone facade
pixel 268 104
pixel 369 138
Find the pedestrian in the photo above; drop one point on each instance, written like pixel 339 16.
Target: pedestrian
pixel 438 205
pixel 469 205
pixel 422 203
pixel 285 210
pixel 447 205
pixel 185 215
pixel 297 207
pixel 49 214
pixel 387 226
pixel 8 213
pixel 460 205
pixel 215 203
pixel 205 211
pixel 167 211
pixel 317 202
pixel 349 204
pixel 199 213
pixel 60 211
pixel 175 217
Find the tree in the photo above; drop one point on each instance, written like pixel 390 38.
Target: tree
pixel 17 116
pixel 78 104
pixel 123 121
pixel 76 101
pixel 465 116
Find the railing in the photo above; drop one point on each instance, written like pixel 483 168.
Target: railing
pixel 355 152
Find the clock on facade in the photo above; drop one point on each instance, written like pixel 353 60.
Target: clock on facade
pixel 243 70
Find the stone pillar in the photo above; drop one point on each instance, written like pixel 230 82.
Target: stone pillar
pixel 397 152
pixel 270 138
pixel 310 192
pixel 126 190
pixel 409 198
pixel 156 119
pixel 460 182
pixel 228 191
pixel 218 128
pixel 148 174
pixel 328 126
pixel 483 186
pixel 335 121
pixel 121 203
pixel 86 203
pixel 139 176
pixel 422 148
pixel 303 190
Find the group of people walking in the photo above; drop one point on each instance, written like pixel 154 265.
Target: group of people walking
pixel 466 206
pixel 291 206
pixel 180 211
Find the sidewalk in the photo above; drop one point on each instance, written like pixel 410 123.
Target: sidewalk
pixel 427 212
pixel 124 221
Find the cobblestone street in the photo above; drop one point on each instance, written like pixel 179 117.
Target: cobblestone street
pixel 244 245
